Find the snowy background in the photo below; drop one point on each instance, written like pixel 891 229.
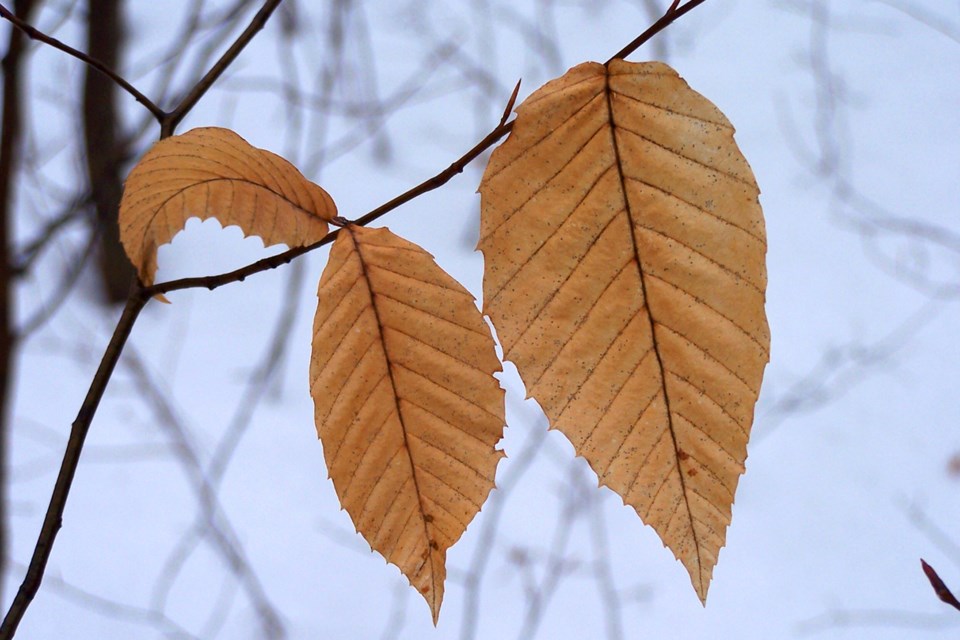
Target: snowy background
pixel 205 448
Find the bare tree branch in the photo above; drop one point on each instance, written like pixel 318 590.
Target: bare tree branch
pixel 71 458
pixel 141 295
pixel 675 12
pixel 149 618
pixel 170 122
pixel 212 515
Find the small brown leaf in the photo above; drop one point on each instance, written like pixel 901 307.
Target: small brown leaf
pixel 624 272
pixel 407 407
pixel 213 172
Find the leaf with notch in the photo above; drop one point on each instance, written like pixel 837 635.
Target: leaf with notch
pixel 213 172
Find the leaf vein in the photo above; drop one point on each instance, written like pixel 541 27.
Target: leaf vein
pixel 698 208
pixel 682 114
pixel 559 173
pixel 694 250
pixel 530 145
pixel 704 304
pixel 699 163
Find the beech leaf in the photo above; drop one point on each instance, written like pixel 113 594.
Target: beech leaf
pixel 407 407
pixel 213 172
pixel 624 248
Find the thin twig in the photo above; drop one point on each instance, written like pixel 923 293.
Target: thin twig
pixel 138 298
pixel 32 249
pixel 71 458
pixel 150 618
pixel 610 598
pixel 174 117
pixel 673 13
pixel 75 266
pixel 238 275
pixel 939 586
pixel 512 101
pixel 493 512
pixel 35 34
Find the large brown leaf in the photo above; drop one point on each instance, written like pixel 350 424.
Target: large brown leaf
pixel 213 172
pixel 407 407
pixel 624 248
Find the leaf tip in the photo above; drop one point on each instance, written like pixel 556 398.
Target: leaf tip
pixel 701 588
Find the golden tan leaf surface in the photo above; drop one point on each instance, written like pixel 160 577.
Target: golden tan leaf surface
pixel 407 407
pixel 624 248
pixel 213 172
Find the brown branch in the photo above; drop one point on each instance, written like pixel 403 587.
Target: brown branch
pixel 135 302
pixel 71 458
pixel 35 34
pixel 509 108
pixel 172 119
pixel 239 275
pixel 141 295
pixel 674 12
pixel 105 147
pixel 168 121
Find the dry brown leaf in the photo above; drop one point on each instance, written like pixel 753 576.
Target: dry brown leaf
pixel 624 248
pixel 407 407
pixel 213 172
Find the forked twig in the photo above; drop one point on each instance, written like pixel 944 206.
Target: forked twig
pixel 172 119
pixel 673 13
pixel 34 34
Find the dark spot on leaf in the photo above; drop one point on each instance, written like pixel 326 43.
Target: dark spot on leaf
pixel 683 455
pixel 691 472
pixel 427 518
